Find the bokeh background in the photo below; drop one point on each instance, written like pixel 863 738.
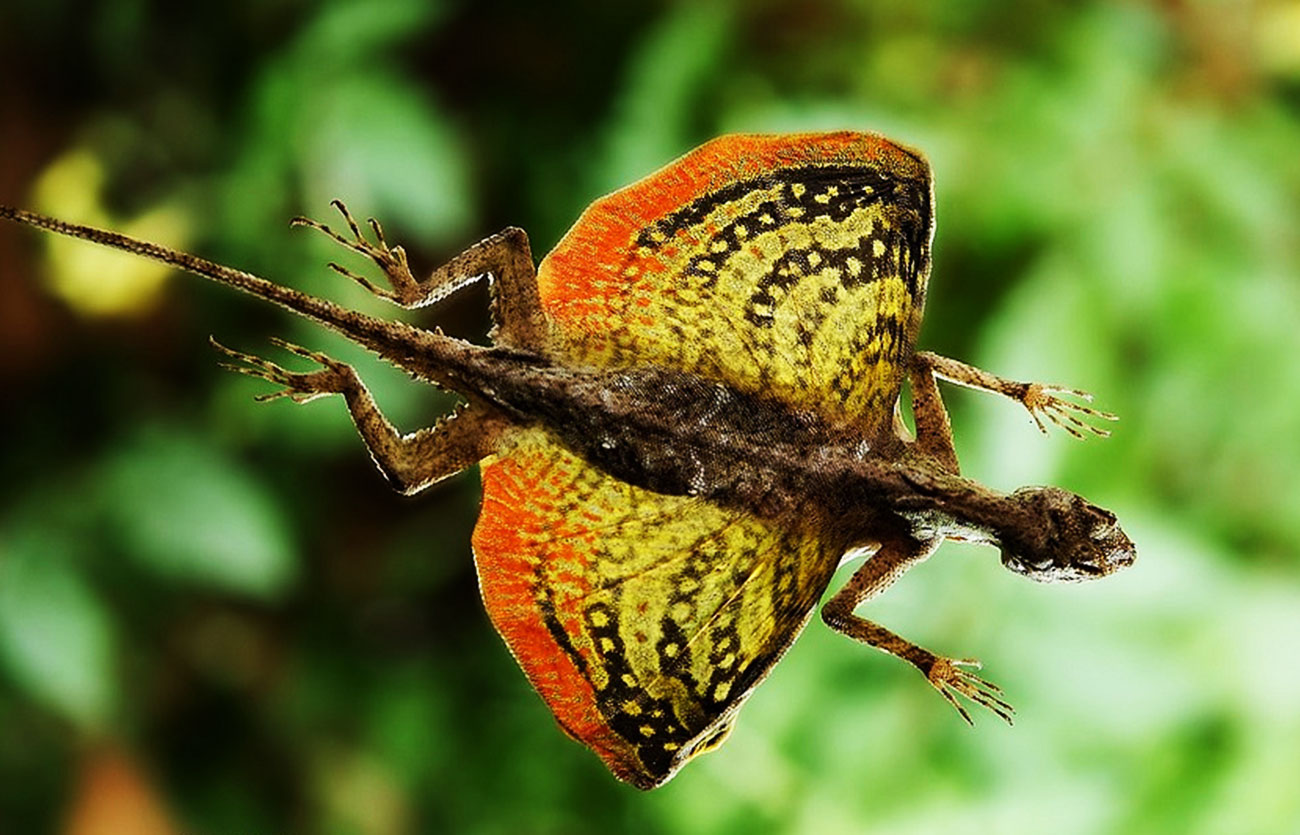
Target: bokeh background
pixel 216 618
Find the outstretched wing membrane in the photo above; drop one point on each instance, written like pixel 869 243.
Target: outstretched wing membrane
pixel 643 620
pixel 792 266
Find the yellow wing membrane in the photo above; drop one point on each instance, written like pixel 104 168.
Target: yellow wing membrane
pixel 643 620
pixel 792 266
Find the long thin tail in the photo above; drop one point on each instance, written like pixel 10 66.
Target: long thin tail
pixel 396 341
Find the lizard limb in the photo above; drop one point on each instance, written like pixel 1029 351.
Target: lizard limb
pixel 1039 398
pixel 411 462
pixel 933 428
pixel 505 257
pixel 951 677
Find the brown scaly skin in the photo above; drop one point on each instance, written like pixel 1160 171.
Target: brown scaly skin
pixel 678 433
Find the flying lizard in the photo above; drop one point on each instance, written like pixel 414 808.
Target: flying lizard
pixel 686 418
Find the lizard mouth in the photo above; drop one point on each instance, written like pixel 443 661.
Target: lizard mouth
pixel 1070 566
pixel 1050 571
pixel 1071 539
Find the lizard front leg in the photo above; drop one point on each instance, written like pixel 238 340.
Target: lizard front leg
pixel 1039 398
pixel 411 462
pixel 951 677
pixel 933 428
pixel 505 257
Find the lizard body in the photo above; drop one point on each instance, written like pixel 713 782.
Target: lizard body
pixel 686 419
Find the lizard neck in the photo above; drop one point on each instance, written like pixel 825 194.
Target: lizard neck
pixel 933 501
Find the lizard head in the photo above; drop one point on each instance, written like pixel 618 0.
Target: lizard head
pixel 1066 539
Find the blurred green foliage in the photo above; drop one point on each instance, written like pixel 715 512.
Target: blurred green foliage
pixel 229 591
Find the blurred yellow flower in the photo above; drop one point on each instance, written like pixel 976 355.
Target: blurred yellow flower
pixel 93 280
pixel 1278 38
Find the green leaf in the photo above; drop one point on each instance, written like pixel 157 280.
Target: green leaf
pixel 665 76
pixel 188 513
pixel 56 639
pixel 379 141
pixel 349 33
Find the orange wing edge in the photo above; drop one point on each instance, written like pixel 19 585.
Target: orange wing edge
pixel 507 584
pixel 574 277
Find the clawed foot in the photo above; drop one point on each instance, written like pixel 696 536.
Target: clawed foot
pixel 953 678
pixel 300 387
pixel 1041 400
pixel 392 260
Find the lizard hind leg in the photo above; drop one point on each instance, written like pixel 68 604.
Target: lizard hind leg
pixel 410 462
pixel 506 258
